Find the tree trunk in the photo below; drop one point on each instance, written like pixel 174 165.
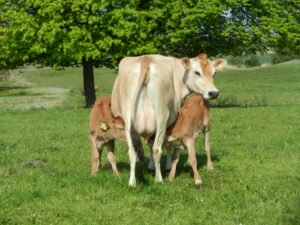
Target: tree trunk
pixel 88 82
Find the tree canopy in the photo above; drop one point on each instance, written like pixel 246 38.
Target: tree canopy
pixel 71 32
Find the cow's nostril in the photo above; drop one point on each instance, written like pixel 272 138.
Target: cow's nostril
pixel 213 94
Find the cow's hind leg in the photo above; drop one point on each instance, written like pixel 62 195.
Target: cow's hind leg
pixel 175 159
pixel 111 158
pixel 157 146
pixel 132 157
pixel 190 144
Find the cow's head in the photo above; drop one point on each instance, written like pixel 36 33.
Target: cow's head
pixel 199 75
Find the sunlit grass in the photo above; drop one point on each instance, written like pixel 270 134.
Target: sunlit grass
pixel 255 151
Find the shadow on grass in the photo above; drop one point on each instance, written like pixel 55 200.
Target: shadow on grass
pixel 234 102
pixel 17 91
pixel 182 166
pixel 10 87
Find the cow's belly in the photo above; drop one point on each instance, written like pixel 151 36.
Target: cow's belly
pixel 145 121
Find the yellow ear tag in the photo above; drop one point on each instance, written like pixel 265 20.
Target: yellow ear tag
pixel 220 67
pixel 103 126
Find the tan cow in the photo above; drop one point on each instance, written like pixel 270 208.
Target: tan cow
pixel 104 129
pixel 148 92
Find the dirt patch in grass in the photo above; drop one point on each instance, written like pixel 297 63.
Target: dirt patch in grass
pixel 17 93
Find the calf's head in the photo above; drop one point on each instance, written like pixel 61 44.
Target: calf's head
pixel 199 75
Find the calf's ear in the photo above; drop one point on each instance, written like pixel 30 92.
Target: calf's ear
pixel 219 64
pixel 186 62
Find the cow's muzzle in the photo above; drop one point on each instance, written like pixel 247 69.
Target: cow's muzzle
pixel 213 94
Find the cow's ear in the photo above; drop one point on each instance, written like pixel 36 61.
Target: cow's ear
pixel 219 64
pixel 186 62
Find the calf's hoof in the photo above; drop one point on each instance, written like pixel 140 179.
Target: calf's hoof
pixel 210 167
pixel 117 175
pixel 198 182
pixel 171 178
pixel 94 172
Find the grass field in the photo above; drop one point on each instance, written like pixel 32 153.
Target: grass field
pixel 45 167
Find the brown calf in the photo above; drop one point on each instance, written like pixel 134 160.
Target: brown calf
pixel 192 119
pixel 104 129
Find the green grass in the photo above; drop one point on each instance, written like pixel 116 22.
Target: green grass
pixel 255 150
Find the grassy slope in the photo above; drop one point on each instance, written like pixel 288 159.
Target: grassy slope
pixel 256 177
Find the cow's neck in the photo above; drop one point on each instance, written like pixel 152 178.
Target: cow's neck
pixel 181 90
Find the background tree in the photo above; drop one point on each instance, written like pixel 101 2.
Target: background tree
pixel 57 33
pixel 90 32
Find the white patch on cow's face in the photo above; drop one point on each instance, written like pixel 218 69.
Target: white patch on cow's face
pixel 200 79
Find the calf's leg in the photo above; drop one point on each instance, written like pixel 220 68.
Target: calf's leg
pixel 175 159
pixel 169 160
pixel 96 150
pixel 190 144
pixel 207 149
pixel 111 158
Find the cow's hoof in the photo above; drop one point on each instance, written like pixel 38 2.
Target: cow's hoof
pixel 132 182
pixel 158 179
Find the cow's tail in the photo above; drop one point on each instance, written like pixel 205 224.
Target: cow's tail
pixel 143 80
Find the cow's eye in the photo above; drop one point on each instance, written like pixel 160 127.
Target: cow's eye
pixel 197 73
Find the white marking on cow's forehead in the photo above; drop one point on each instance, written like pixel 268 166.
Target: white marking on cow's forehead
pixel 196 66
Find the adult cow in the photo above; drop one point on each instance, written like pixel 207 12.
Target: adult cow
pixel 148 92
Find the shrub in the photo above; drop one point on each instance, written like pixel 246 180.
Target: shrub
pixel 281 58
pixel 252 61
pixel 235 60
